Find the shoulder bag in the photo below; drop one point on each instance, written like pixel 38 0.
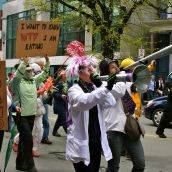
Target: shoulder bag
pixel 132 128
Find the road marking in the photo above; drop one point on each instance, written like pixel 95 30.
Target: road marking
pixel 156 136
pixel 151 135
pixel 146 135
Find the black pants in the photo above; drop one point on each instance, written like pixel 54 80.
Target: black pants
pixel 24 160
pixel 165 121
pixel 1 138
pixel 95 158
pixel 61 121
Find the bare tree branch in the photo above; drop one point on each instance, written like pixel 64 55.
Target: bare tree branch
pixel 153 5
pixel 130 12
pixel 92 6
pixel 102 5
pixel 111 6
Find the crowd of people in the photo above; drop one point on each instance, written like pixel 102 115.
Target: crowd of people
pixel 92 113
pixel 156 88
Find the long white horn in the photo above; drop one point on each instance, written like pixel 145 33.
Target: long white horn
pixel 140 77
pixel 161 53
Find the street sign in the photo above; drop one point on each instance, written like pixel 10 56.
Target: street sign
pixel 141 53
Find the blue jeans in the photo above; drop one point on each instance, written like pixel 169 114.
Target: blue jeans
pixel 45 122
pixel 116 142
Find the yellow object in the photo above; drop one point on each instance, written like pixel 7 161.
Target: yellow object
pixel 135 95
pixel 126 62
pixel 137 100
pixel 150 67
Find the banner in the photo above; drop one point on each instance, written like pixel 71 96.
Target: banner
pixel 37 38
pixel 3 98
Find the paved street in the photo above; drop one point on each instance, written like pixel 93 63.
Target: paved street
pixel 158 153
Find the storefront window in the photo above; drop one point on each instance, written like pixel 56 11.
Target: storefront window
pixel 67 34
pixel 12 30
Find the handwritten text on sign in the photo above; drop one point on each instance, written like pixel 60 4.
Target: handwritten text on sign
pixel 35 38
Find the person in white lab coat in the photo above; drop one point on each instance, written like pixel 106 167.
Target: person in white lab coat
pixel 86 134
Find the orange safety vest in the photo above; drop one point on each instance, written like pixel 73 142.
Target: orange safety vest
pixel 137 100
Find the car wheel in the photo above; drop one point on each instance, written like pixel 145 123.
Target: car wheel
pixel 157 114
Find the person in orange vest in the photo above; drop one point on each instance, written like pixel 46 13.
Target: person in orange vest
pixel 136 96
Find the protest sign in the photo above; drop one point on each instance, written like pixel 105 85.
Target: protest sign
pixel 3 98
pixel 37 38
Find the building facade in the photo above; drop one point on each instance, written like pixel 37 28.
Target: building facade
pixel 161 36
pixel 14 10
pixel 154 29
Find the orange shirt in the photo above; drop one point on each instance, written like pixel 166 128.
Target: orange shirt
pixel 137 101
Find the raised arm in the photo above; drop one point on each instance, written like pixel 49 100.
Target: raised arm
pixel 118 89
pixel 84 101
pixel 20 71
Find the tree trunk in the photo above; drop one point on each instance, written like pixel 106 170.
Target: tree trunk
pixel 109 44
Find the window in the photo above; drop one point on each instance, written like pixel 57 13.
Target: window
pixel 12 31
pixel 163 9
pixel 67 34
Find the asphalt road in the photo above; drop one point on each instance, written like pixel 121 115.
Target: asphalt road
pixel 158 152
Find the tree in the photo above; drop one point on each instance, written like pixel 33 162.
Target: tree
pixel 108 18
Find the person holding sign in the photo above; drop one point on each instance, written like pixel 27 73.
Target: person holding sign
pixel 24 90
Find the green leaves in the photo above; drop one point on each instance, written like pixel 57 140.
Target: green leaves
pixel 109 21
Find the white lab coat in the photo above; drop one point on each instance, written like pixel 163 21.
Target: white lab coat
pixel 79 103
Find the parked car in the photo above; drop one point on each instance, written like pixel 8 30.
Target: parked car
pixel 154 109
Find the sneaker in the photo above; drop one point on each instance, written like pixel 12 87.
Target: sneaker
pixel 56 134
pixel 35 154
pixel 46 141
pixel 15 147
pixel 161 135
